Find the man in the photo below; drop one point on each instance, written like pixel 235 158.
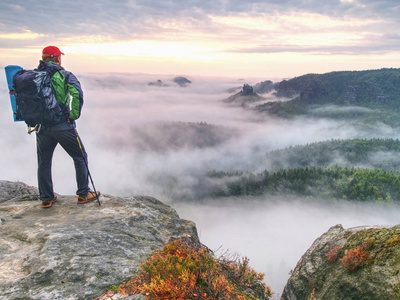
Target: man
pixel 67 90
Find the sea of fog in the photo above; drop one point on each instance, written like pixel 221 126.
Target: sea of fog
pixel 121 121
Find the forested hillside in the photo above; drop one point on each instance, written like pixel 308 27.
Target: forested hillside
pixel 356 169
pixel 325 183
pixel 371 153
pixel 371 90
pixel 329 170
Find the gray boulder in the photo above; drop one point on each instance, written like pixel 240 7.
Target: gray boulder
pixel 72 251
pixel 17 191
pixel 354 263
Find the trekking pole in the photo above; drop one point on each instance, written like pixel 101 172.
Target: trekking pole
pixel 86 164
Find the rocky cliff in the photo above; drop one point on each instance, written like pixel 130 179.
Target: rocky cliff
pixel 72 251
pixel 354 263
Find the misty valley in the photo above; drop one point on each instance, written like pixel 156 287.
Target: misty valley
pixel 262 167
pixel 358 167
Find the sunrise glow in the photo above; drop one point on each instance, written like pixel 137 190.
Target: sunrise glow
pixel 252 39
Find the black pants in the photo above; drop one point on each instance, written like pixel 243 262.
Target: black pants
pixel 46 141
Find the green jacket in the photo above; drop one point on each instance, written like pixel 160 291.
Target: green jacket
pixel 66 87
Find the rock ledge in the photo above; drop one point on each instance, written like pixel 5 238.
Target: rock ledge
pixel 72 251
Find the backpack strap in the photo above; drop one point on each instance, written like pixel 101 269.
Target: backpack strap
pixel 36 128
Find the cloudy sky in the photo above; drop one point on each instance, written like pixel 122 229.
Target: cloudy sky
pixel 239 38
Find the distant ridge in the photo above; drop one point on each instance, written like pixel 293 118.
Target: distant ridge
pixel 343 87
pixel 371 89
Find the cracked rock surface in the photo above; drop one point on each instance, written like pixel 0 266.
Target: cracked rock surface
pixel 72 251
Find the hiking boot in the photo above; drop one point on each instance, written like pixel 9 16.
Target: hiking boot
pixel 89 197
pixel 49 203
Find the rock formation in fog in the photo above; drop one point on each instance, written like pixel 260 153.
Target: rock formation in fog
pixel 182 81
pixel 158 83
pixel 245 97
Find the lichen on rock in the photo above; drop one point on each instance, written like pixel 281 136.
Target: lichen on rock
pixel 354 263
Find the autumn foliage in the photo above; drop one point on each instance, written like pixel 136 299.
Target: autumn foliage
pixel 181 271
pixel 354 258
pixel 333 254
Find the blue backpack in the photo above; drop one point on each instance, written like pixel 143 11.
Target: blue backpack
pixel 36 102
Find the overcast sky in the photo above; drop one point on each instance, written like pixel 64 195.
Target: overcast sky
pixel 240 38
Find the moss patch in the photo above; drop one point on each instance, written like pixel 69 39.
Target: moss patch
pixel 380 244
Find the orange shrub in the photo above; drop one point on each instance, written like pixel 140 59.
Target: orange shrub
pixel 333 254
pixel 354 258
pixel 312 296
pixel 182 272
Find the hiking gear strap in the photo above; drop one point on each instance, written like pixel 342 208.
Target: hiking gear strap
pixel 36 128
